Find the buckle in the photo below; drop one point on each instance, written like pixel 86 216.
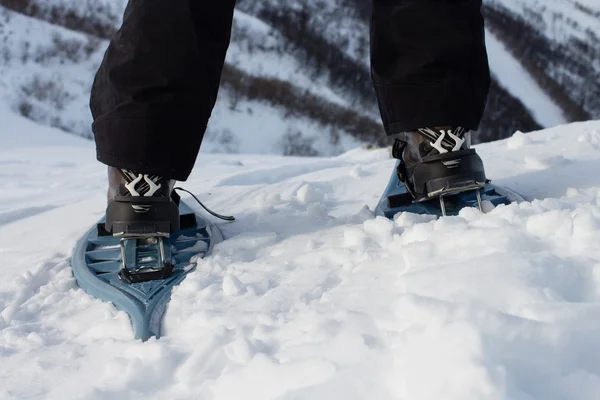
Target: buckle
pixel 144 264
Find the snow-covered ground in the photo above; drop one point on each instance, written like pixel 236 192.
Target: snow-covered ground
pixel 310 296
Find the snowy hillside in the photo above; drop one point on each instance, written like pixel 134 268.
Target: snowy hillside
pixel 298 72
pixel 558 43
pixel 310 296
pixel 51 49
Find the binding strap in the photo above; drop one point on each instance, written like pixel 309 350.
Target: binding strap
pixel 214 214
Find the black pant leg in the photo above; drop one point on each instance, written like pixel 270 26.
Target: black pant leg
pixel 429 63
pixel 158 83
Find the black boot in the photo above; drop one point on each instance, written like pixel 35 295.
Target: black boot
pixel 436 162
pixel 140 204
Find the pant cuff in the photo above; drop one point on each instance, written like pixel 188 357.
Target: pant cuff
pixel 407 108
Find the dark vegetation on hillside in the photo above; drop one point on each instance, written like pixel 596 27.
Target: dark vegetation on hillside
pixel 299 103
pixel 566 72
pixel 504 113
pixel 70 19
pixel 305 40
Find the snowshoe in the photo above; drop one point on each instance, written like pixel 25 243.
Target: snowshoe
pixel 438 173
pixel 142 248
pixel 137 273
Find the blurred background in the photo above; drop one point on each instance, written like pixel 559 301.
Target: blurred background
pixel 296 80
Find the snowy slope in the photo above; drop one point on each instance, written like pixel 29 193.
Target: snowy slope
pixel 508 70
pixel 314 52
pixel 558 42
pixel 47 69
pixel 310 297
pixel 561 20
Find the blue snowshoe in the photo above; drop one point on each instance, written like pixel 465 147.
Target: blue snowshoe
pixel 438 174
pixel 142 248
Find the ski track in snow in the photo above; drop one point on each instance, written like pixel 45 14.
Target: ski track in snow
pixel 310 296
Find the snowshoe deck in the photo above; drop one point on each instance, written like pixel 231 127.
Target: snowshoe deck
pixel 97 266
pixel 396 199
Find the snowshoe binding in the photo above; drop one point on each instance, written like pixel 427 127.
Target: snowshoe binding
pixel 142 210
pixel 438 173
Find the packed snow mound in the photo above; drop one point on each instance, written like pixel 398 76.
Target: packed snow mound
pixel 311 296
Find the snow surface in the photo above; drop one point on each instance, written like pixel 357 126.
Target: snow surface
pixel 310 296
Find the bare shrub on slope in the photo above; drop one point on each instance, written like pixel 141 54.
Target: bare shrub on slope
pixel 301 104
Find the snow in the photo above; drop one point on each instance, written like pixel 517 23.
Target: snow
pixel 310 296
pixel 510 73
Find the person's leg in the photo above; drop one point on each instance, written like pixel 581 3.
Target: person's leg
pixel 158 83
pixel 431 76
pixel 429 63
